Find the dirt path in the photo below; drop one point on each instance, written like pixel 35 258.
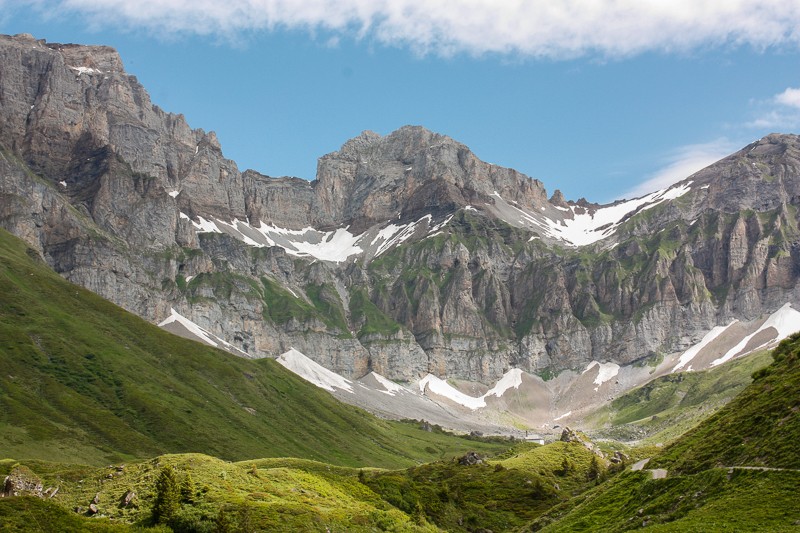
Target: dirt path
pixel 762 468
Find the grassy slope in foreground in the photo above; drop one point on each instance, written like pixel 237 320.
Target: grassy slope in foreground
pixel 759 428
pixel 261 495
pixel 84 381
pixel 303 495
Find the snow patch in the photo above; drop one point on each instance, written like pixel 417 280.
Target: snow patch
pixel 565 415
pixel 438 227
pixel 586 228
pixel 313 372
pixel 393 235
pixel 174 194
pixel 785 320
pixel 606 372
pixel 690 354
pixel 442 388
pixel 336 246
pixel 86 70
pixel 511 379
pixel 191 326
pixel 63 183
pixel 206 226
pixel 580 227
pixel 391 387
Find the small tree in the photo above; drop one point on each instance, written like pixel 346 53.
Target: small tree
pixel 593 474
pixel 168 496
pixel 187 489
pixel 566 466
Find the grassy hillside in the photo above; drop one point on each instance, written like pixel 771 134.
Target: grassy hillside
pixel 83 381
pixel 739 470
pixel 498 495
pixel 665 408
pixel 760 427
pixel 263 495
pixel 304 495
pixel 709 501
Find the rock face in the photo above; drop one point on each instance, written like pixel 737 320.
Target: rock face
pixel 434 261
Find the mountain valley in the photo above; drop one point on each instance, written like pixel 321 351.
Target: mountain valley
pixel 401 344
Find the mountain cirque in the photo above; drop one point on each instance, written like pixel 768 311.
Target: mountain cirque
pixel 407 254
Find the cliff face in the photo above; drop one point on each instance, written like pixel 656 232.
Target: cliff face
pixel 406 255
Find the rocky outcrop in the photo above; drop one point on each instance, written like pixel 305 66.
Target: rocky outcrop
pixel 21 481
pixel 116 194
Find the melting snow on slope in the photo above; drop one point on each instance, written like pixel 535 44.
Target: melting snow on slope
pixel 442 388
pixel 391 387
pixel 511 379
pixel 335 246
pixel 200 333
pixel 565 415
pixel 690 354
pixel 313 372
pixel 587 228
pixel 584 228
pixel 785 320
pixel 605 373
pixel 191 326
pixel 392 235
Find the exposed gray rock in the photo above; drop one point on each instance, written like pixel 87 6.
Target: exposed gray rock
pixel 470 458
pixel 106 187
pixel 21 481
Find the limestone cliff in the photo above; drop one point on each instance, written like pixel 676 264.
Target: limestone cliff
pixel 406 255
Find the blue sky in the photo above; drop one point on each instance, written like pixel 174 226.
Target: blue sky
pixel 598 102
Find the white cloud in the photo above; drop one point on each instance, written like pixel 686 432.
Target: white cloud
pixel 682 163
pixel 790 97
pixel 539 28
pixel 779 113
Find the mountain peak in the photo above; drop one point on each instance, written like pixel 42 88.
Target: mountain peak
pixel 409 173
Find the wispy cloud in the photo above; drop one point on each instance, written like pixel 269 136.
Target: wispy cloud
pixel 682 163
pixel 790 97
pixel 538 28
pixel 779 113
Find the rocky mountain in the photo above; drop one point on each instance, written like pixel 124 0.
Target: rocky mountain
pixel 407 255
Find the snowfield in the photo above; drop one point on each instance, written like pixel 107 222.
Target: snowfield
pixel 314 372
pixel 690 354
pixel 785 321
pixel 573 225
pixel 335 246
